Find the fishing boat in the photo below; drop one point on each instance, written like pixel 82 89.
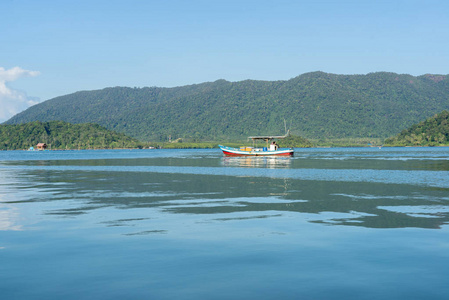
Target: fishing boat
pixel 269 150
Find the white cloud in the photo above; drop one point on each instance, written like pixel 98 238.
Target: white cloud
pixel 13 101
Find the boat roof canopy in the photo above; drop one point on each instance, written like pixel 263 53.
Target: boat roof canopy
pixel 268 137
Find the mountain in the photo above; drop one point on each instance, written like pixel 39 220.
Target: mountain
pixel 431 132
pixel 62 135
pixel 314 105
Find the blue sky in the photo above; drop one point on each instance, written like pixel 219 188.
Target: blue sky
pixel 55 48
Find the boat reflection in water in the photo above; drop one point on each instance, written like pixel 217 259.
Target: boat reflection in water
pixel 257 161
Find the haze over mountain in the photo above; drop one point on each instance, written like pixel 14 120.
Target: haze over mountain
pixel 314 105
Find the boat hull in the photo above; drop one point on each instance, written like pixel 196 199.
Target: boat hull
pixel 229 151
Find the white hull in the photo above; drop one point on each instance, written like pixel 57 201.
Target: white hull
pixel 256 151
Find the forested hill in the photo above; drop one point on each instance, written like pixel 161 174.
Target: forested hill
pixel 431 132
pixel 314 105
pixel 62 135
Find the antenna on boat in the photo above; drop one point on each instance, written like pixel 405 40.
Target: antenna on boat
pixel 287 131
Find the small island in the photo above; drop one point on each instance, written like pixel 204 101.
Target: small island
pixel 58 135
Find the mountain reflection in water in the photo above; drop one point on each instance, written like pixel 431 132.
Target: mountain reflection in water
pixel 206 183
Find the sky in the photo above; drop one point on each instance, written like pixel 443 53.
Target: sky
pixel 53 48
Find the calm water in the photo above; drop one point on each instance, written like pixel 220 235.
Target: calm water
pixel 363 223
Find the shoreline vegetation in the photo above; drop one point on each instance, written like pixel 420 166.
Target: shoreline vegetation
pixel 339 143
pixel 432 132
pixel 214 145
pixel 59 135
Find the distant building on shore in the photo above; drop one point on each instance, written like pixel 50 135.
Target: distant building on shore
pixel 41 146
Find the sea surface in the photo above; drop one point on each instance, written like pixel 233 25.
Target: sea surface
pixel 335 223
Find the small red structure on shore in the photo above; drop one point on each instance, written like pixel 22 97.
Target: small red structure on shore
pixel 41 146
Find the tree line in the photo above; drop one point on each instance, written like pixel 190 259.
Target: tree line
pixel 59 135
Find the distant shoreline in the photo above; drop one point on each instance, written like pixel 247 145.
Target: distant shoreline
pixel 198 147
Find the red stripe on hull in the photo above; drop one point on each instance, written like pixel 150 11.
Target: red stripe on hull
pixel 237 154
pixel 231 154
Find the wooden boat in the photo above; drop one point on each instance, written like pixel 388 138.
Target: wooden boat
pixel 269 150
